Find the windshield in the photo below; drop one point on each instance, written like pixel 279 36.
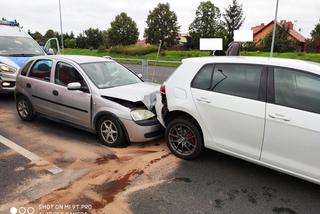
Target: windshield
pixel 109 74
pixel 19 46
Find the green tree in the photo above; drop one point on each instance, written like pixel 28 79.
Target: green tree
pixel 94 38
pixel 36 36
pixel 123 31
pixel 70 43
pixel 162 25
pixel 81 41
pixel 282 42
pixel 233 19
pixel 315 33
pixel 49 34
pixel 207 24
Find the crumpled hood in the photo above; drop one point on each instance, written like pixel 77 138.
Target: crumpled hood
pixel 144 92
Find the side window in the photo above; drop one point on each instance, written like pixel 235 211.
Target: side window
pixel 26 68
pixel 297 89
pixel 203 78
pixel 65 74
pixel 41 70
pixel 237 80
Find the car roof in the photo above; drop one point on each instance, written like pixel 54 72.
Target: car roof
pixel 80 59
pixel 6 30
pixel 282 62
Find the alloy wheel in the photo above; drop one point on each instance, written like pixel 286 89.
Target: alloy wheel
pixel 23 108
pixel 109 131
pixel 182 139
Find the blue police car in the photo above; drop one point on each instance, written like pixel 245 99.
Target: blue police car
pixel 16 47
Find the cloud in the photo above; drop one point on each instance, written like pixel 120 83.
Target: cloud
pixel 78 15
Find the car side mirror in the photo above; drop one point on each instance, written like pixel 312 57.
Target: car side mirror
pixel 50 51
pixel 139 75
pixel 73 86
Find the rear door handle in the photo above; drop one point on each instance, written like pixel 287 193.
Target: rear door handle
pixel 55 93
pixel 28 85
pixel 203 100
pixel 279 116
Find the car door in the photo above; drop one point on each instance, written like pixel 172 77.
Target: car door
pixel 39 86
pixel 74 105
pixel 292 133
pixel 230 99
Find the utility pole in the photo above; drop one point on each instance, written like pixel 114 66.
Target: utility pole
pixel 62 48
pixel 275 23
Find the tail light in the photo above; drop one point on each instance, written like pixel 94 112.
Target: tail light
pixel 163 89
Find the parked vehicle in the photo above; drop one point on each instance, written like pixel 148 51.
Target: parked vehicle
pixel 263 110
pixel 93 93
pixel 16 47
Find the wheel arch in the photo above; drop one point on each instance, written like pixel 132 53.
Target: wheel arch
pixel 99 115
pixel 178 113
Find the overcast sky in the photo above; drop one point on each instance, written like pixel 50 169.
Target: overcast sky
pixel 78 15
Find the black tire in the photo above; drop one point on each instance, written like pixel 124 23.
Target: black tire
pixel 182 134
pixel 25 108
pixel 109 138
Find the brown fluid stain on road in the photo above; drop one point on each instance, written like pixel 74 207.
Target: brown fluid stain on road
pixel 111 171
pixel 109 176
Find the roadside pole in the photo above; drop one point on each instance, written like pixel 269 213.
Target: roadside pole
pixel 62 48
pixel 155 66
pixel 275 23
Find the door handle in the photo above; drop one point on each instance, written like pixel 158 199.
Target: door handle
pixel 279 116
pixel 203 100
pixel 55 93
pixel 28 85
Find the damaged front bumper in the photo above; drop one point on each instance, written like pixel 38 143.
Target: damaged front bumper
pixel 142 131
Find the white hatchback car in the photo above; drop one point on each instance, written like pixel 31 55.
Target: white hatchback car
pixel 263 110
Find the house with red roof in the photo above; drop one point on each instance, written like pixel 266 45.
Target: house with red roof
pixel 262 30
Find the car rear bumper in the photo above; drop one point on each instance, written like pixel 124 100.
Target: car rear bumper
pixel 159 109
pixel 143 131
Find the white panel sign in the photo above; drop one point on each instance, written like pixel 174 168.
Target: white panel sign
pixel 210 44
pixel 243 35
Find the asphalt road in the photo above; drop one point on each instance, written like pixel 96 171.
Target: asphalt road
pixel 214 183
pixel 217 183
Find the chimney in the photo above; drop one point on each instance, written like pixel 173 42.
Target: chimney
pixel 289 25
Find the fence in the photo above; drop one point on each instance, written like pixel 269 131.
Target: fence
pixel 152 70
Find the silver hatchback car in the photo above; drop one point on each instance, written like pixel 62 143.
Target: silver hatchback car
pixel 93 93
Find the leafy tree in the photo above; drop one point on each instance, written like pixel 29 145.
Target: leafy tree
pixel 81 41
pixel 70 43
pixel 162 25
pixel 315 33
pixel 36 36
pixel 207 24
pixel 282 41
pixel 94 38
pixel 233 19
pixel 106 42
pixel 49 34
pixel 123 31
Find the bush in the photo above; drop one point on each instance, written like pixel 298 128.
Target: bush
pixel 312 46
pixel 101 48
pixel 70 43
pixel 133 49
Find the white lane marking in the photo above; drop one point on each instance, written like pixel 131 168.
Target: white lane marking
pixel 27 154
